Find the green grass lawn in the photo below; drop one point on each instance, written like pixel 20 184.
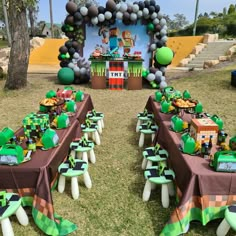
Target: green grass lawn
pixel 114 206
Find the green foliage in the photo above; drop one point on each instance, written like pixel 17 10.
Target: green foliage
pixel 231 9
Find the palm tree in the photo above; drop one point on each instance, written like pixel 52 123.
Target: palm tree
pixel 51 18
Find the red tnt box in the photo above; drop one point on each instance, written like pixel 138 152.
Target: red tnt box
pixel 116 75
pixel 65 94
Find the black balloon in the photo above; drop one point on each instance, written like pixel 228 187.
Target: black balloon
pixel 146 4
pixel 101 9
pixel 92 11
pixel 68 44
pixel 71 7
pixel 141 5
pixel 78 16
pixel 152 3
pixel 71 51
pixel 151 9
pixel 64 63
pixel 75 44
pixel 69 20
pixel 111 5
pixel 63 49
pixel 157 8
pixel 160 44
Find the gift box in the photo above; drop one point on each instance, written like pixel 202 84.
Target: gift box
pixel 65 94
pixel 202 130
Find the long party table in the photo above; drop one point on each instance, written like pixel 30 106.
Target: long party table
pixel 35 179
pixel 203 194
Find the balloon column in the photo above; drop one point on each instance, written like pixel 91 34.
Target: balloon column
pixel 147 12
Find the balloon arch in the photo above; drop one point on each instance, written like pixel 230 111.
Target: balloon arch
pixel 147 12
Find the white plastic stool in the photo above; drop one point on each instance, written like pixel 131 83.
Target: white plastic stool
pixel 98 118
pixel 80 168
pixel 228 222
pixel 93 130
pixel 145 129
pixel 84 148
pixel 142 118
pixel 13 206
pixel 152 176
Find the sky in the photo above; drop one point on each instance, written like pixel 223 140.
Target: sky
pixel 168 7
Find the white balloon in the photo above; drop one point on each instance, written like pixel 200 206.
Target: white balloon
pixel 163 22
pixel 119 15
pixel 158 74
pixel 150 77
pixel 118 6
pixel 163 69
pixel 83 71
pixel 135 8
pixel 76 69
pixel 133 17
pixel 108 15
pixel 163 32
pixel 154 15
pixel 163 78
pixel 155 21
pixel 123 7
pixel 159 15
pixel 163 84
pixel 76 55
pixel 84 11
pixel 71 65
pixel 164 39
pixel 101 17
pixel 140 14
pixel 145 12
pixel 153 47
pixel 94 20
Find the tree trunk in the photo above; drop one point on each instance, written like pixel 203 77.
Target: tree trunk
pixel 20 48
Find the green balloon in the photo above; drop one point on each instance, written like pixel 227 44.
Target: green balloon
pixel 65 75
pixel 150 27
pixel 145 72
pixel 164 56
pixel 63 56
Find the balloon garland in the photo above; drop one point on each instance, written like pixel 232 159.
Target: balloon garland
pixel 148 12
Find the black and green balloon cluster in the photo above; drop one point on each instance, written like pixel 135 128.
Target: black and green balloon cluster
pixel 146 12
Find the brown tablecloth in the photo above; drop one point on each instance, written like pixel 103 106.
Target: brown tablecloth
pixel 33 180
pixel 203 193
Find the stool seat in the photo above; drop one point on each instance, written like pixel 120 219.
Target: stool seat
pixel 230 216
pixel 146 129
pixel 151 155
pixel 96 117
pixel 92 129
pixel 80 168
pixel 143 117
pixel 79 147
pixel 153 176
pixel 13 206
pixel 228 222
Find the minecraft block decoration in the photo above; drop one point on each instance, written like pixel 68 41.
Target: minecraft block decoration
pixel 116 75
pixel 35 124
pixel 204 129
